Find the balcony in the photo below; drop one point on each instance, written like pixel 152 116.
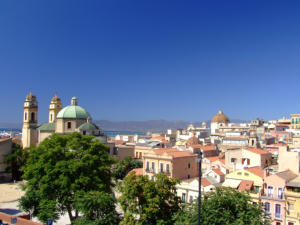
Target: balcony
pixel 150 170
pixel 278 216
pixel 272 197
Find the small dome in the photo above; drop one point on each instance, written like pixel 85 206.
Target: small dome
pixel 220 118
pixel 55 99
pixel 88 126
pixel 30 97
pixel 73 111
pixel 193 141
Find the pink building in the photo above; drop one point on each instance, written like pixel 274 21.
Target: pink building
pixel 273 195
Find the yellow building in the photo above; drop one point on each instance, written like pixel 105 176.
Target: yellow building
pixel 295 121
pixel 250 179
pixel 292 197
pixel 172 162
pixel 72 118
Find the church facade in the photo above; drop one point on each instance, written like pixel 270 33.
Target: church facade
pixel 72 118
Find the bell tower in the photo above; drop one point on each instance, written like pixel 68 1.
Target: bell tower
pixel 30 118
pixel 54 107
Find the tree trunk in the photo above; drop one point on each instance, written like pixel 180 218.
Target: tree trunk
pixel 69 209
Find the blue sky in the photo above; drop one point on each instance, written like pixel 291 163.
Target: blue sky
pixel 140 60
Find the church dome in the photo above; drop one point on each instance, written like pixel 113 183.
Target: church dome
pixel 73 111
pixel 30 97
pixel 88 126
pixel 220 118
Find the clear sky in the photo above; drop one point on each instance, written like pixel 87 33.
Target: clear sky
pixel 152 59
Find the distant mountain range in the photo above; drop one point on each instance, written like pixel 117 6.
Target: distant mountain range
pixel 149 125
pixel 140 126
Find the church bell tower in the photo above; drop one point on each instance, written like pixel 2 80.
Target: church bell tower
pixel 54 107
pixel 30 119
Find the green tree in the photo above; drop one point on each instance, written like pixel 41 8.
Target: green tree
pixel 122 167
pixel 15 160
pixel 147 201
pixel 225 206
pixel 60 168
pixel 97 208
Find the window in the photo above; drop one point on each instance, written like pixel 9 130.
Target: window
pixel 84 132
pixel 161 167
pixel 32 116
pixel 189 176
pixel 270 191
pixel 191 198
pixel 26 116
pixel 291 223
pixel 153 166
pixel 267 207
pixel 69 125
pixel 278 223
pixel 246 174
pixel 189 165
pixel 115 151
pixel 147 165
pixel 183 197
pixel 291 207
pixel 277 211
pixel 51 117
pixel 256 189
pixel 280 193
pixel 239 173
pixel 168 168
pixel 233 160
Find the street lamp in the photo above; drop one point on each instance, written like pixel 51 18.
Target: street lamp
pixel 199 194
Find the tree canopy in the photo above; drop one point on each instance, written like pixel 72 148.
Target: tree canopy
pixel 15 160
pixel 59 169
pixel 225 206
pixel 122 167
pixel 97 208
pixel 147 201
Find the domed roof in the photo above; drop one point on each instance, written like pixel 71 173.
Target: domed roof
pixel 220 118
pixel 30 97
pixel 55 99
pixel 73 111
pixel 193 141
pixel 88 126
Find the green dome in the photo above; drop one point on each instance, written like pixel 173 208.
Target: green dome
pixel 88 126
pixel 73 112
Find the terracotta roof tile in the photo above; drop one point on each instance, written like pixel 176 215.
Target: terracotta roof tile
pixel 174 152
pixel 257 170
pixel 137 171
pixel 258 151
pixel 245 185
pixel 218 171
pixel 213 158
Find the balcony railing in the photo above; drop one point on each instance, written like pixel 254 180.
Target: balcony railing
pixel 272 196
pixel 278 216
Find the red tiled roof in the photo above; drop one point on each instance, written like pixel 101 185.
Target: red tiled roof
pixel 137 171
pixel 245 185
pixel 218 171
pixel 119 142
pixel 205 147
pixel 213 158
pixel 158 138
pixel 258 151
pixel 174 152
pixel 205 182
pixel 257 170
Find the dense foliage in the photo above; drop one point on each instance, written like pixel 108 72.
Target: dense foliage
pixel 61 168
pixel 147 201
pixel 15 160
pixel 122 167
pixel 225 206
pixel 97 208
